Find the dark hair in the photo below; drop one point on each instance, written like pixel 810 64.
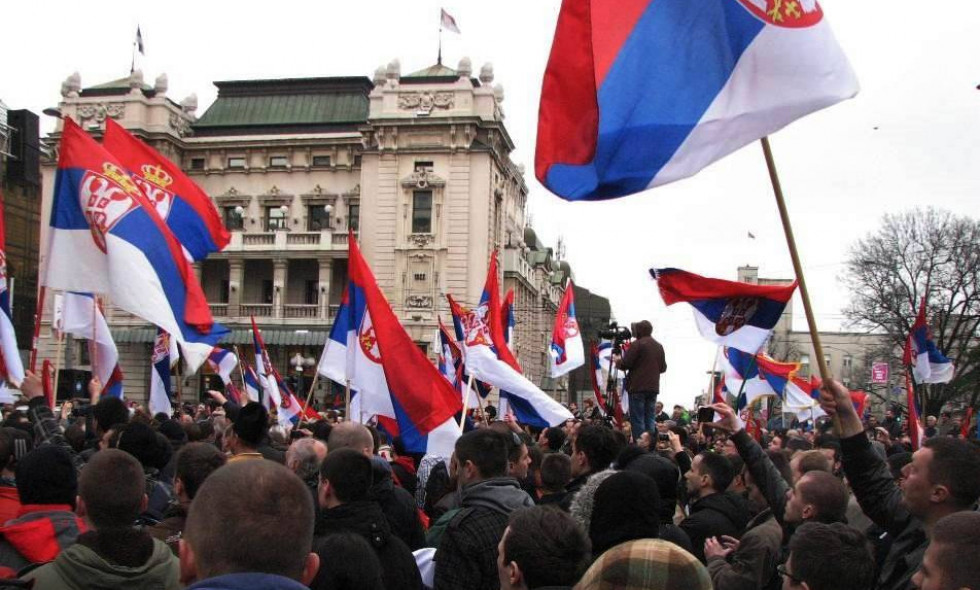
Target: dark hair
pixel 642 329
pixel 547 545
pixel 897 462
pixel 112 486
pixel 514 442
pixel 957 537
pixel 829 441
pixel 47 475
pixel 321 430
pixel 349 473
pixel 398 445
pixel 955 464
pixel 813 461
pixel 347 562
pixel 251 516
pixel 486 449
pixel 661 470
pixel 798 444
pixel 556 471
pixel 626 506
pixel 827 493
pixel 681 433
pixel 75 435
pixel 150 448
pixel 781 462
pixel 376 439
pixel 194 463
pixel 599 445
pixel 555 437
pixel 831 557
pixel 738 465
pixel 252 424
pixel 719 468
pixel 109 412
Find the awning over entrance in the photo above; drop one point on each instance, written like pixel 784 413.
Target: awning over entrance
pixel 271 336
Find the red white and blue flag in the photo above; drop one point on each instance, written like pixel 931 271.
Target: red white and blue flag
pixel 253 389
pixel 507 317
pixel 161 401
pixel 916 432
pixel 751 377
pixel 265 371
pixel 639 93
pixel 290 410
pixel 928 364
pixel 106 237
pixel 81 316
pixel 729 313
pixel 11 365
pixel 450 358
pixel 223 362
pixel 393 377
pixel 567 350
pixel 457 312
pixel 188 211
pixel 489 359
pixel 598 380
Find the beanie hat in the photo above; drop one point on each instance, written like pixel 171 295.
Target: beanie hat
pixel 47 475
pixel 626 506
pixel 661 470
pixel 252 423
pixel 150 448
pixel 644 564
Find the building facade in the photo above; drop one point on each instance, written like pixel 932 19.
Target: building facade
pixel 416 166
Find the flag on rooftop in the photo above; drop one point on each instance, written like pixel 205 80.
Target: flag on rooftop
pixel 446 21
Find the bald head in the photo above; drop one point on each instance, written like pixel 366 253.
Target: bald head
pixel 305 456
pixel 250 516
pixel 349 435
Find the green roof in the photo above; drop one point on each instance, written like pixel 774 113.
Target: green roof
pixel 288 102
pixel 434 71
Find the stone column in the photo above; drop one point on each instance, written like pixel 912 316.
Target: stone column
pixel 279 269
pixel 236 285
pixel 326 272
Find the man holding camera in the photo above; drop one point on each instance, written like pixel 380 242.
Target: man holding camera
pixel 643 362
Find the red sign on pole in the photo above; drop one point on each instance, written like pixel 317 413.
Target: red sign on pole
pixel 879 373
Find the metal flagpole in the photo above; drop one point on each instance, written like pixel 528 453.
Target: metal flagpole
pixel 347 401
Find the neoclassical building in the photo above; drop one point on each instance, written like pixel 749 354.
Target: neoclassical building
pixel 416 165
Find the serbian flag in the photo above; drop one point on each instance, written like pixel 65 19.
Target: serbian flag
pixel 81 316
pixel 802 396
pixel 507 317
pixel 598 379
pixel 458 312
pixel 393 377
pixel 161 401
pixel 253 389
pixel 928 364
pixel 11 366
pixel 265 371
pixel 751 377
pixel 645 92
pixel 223 362
pixel 489 359
pixel 188 210
pixel 729 313
pixel 106 237
pixel 290 410
pixel 859 400
pixel 916 432
pixel 567 350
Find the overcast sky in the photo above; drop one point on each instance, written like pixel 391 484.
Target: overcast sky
pixel 907 140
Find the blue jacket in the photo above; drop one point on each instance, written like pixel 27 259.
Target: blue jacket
pixel 248 581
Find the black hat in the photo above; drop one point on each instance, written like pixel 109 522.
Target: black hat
pixel 150 448
pixel 47 475
pixel 626 506
pixel 252 424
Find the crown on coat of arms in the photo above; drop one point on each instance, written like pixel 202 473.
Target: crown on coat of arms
pixel 156 175
pixel 120 177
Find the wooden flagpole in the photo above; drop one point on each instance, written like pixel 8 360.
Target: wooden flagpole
pixel 466 399
pixel 309 396
pixel 711 377
pixel 57 360
pixel 241 373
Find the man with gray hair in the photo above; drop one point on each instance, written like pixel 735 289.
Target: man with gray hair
pixel 304 458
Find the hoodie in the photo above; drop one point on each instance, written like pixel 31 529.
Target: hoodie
pixel 713 516
pixel 502 495
pixel 398 505
pixel 81 567
pixel 38 534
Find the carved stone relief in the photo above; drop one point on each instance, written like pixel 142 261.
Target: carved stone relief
pixel 425 102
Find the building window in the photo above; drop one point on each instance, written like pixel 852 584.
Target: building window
pixel 847 364
pixel 267 290
pixel 804 371
pixel 423 346
pixel 421 166
pixel 354 216
pixel 275 218
pixel 310 295
pixel 357 161
pixel 232 219
pixel 224 293
pixel 422 212
pixel 317 218
pixel 278 162
pixel 321 161
pixel 197 163
pixel 236 162
pixel 419 276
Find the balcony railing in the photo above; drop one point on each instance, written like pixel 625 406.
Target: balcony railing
pixel 263 239
pixel 339 239
pixel 303 239
pixel 219 309
pixel 285 240
pixel 259 310
pixel 301 311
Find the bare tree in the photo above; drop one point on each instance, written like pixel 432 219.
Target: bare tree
pixel 922 253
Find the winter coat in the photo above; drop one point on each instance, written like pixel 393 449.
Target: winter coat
pixel 38 535
pixel 753 565
pixel 398 506
pixel 467 555
pixel 247 581
pixel 713 516
pixel 365 518
pixel 9 503
pixel 643 361
pixel 171 528
pixel 81 567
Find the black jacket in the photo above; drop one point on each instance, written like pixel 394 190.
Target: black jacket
pixel 881 500
pixel 644 362
pixel 713 516
pixel 398 506
pixel 365 518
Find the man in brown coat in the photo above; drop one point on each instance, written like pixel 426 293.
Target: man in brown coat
pixel 643 362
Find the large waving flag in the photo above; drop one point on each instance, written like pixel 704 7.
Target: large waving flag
pixel 928 364
pixel 106 237
pixel 751 377
pixel 729 313
pixel 393 377
pixel 82 317
pixel 265 370
pixel 161 401
pixel 188 211
pixel 640 93
pixel 489 359
pixel 11 366
pixel 567 351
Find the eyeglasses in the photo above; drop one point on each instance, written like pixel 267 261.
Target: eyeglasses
pixel 781 570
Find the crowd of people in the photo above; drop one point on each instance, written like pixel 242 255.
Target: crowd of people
pixel 219 497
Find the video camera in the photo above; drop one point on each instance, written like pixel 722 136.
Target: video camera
pixel 617 334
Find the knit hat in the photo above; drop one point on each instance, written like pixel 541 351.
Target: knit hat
pixel 662 470
pixel 150 448
pixel 252 424
pixel 626 506
pixel 645 564
pixel 47 475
